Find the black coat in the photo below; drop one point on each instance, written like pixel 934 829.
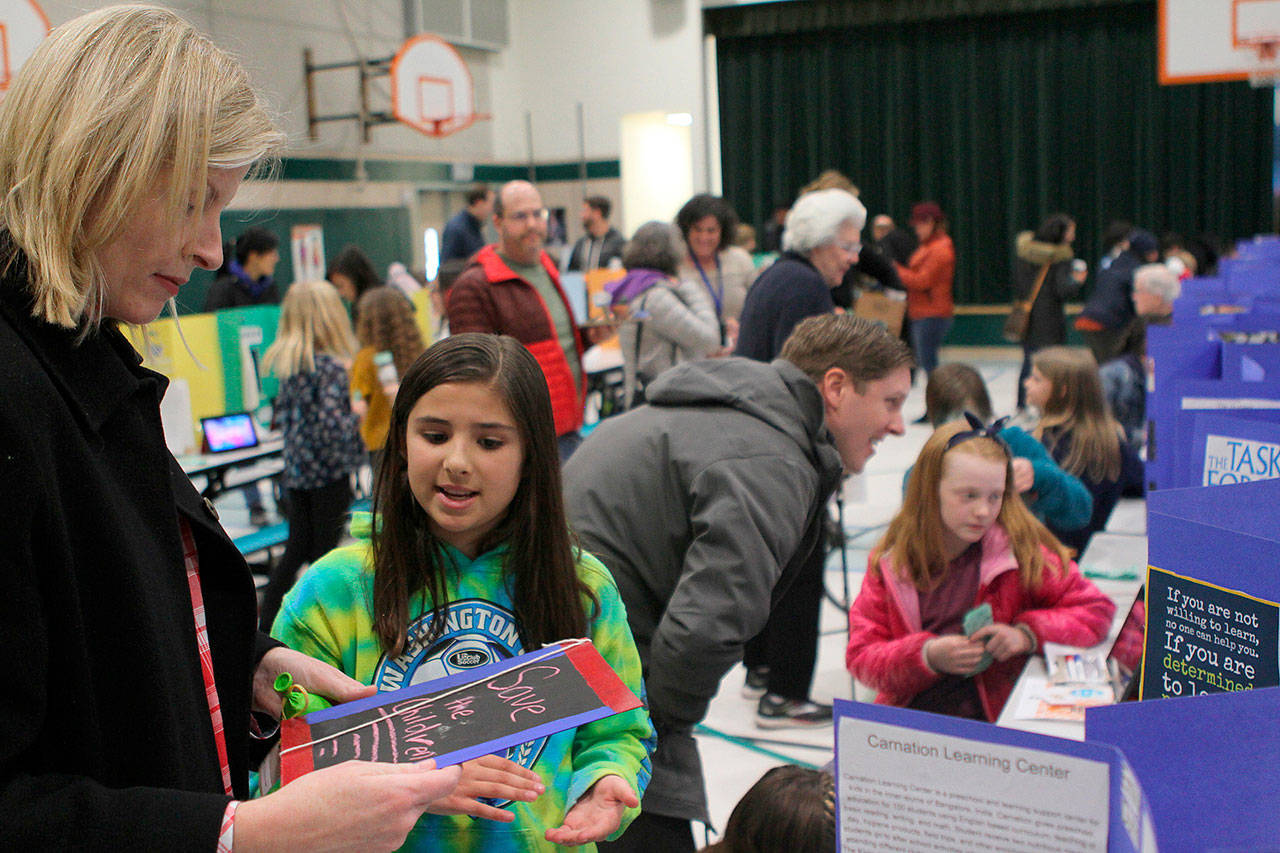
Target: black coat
pixel 105 735
pixel 227 292
pixel 1047 325
pixel 1111 302
pixel 611 247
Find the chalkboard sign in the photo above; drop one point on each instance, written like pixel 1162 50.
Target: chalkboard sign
pixel 463 716
pixel 1202 638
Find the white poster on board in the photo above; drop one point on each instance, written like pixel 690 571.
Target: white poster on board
pixel 910 789
pixel 307 243
pixel 1232 459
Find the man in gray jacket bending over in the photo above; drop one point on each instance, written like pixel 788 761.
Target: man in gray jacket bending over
pixel 705 503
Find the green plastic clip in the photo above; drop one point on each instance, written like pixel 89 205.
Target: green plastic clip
pixel 296 699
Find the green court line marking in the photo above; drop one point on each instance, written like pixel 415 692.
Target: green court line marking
pixel 752 744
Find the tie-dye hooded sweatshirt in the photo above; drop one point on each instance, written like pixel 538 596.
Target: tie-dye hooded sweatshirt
pixel 329 615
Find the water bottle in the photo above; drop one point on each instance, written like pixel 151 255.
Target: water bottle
pixel 385 364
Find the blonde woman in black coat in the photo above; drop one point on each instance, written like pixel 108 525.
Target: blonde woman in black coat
pixel 128 650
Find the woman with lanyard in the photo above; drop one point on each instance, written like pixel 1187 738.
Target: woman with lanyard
pixel 707 223
pixel 128 651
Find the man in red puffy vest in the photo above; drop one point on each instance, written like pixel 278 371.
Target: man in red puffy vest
pixel 513 288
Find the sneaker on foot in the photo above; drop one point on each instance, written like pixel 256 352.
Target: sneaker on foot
pixel 775 712
pixel 756 683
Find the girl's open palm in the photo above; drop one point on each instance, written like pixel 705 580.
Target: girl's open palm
pixel 597 813
pixel 491 777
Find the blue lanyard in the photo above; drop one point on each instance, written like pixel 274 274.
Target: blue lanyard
pixel 716 296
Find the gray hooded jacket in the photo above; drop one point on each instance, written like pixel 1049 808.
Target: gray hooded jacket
pixel 703 504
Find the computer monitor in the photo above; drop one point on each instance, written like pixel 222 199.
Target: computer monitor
pixel 235 431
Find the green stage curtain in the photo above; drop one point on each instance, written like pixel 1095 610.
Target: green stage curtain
pixel 1002 119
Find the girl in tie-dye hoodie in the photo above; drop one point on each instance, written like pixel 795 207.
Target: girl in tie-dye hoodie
pixel 467 559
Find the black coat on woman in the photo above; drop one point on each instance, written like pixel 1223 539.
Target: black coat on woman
pixel 104 721
pixel 1047 325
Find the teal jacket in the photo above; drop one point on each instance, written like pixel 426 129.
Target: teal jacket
pixel 1056 496
pixel 329 614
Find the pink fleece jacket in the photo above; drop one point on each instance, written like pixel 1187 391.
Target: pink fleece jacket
pixel 886 640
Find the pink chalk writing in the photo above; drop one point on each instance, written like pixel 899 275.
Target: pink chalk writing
pixel 417 720
pixel 519 695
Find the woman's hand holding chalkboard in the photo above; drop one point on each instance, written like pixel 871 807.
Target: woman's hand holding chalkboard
pixel 597 814
pixel 493 777
pixel 316 676
pixel 356 805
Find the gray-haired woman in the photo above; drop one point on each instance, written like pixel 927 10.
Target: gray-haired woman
pixel 821 242
pixel 668 320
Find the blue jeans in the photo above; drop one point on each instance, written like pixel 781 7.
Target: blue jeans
pixel 926 337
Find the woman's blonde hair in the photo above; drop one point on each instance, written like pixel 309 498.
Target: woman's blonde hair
pixel 914 539
pixel 1077 411
pixel 312 320
pixel 111 105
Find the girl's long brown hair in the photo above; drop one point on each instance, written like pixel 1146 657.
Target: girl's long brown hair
pixel 914 538
pixel 1076 410
pixel 386 323
pixel 409 560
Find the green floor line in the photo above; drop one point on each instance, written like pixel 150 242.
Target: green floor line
pixel 748 743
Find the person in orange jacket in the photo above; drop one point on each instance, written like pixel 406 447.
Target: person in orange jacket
pixel 927 277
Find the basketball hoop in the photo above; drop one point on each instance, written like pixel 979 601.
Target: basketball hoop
pixel 431 88
pixel 22 27
pixel 1269 74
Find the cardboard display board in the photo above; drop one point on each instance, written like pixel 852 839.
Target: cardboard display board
pixel 1207 766
pixel 1205 638
pixel 1214 578
pixel 460 717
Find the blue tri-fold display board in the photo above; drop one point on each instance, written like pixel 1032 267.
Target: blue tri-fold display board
pixel 1207 766
pixel 1220 355
pixel 1213 584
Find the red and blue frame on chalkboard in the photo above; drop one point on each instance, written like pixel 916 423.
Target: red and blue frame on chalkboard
pixel 463 716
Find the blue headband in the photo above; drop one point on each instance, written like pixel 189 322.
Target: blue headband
pixel 979 431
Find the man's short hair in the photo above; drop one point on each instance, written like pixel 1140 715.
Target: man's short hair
pixel 255 240
pixel 499 209
pixel 861 348
pixel 600 204
pixel 477 193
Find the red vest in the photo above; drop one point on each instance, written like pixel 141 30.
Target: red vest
pixel 489 297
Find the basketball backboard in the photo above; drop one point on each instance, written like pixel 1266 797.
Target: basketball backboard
pixel 431 87
pixel 23 26
pixel 1204 41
